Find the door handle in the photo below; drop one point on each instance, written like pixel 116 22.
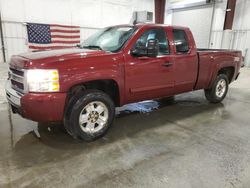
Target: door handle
pixel 167 64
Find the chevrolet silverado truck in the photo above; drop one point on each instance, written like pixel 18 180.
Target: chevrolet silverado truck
pixel 81 86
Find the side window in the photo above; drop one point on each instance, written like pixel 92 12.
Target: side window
pixel 180 41
pixel 158 34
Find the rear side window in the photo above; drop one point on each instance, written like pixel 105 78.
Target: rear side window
pixel 181 41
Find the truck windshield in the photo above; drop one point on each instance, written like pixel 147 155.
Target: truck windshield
pixel 109 39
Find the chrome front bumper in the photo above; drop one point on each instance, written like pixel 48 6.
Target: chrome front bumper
pixel 13 97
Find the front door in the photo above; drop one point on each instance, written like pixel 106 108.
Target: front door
pixel 149 77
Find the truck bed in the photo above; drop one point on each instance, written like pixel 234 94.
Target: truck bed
pixel 215 50
pixel 210 60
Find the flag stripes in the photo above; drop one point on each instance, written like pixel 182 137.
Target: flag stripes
pixel 52 36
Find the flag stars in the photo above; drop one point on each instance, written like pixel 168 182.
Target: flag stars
pixel 39 33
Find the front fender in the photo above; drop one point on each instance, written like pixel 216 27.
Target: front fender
pixel 72 80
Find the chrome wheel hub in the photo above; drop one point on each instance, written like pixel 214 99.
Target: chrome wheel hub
pixel 221 88
pixel 93 117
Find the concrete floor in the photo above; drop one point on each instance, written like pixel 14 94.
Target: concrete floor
pixel 184 143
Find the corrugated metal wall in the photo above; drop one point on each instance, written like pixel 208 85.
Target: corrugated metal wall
pixel 240 34
pixel 88 14
pixel 239 40
pixel 241 28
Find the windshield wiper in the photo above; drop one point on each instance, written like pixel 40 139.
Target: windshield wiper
pixel 92 46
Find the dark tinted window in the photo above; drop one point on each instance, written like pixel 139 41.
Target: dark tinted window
pixel 181 41
pixel 158 34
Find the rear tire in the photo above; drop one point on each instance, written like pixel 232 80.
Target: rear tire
pixel 89 115
pixel 219 89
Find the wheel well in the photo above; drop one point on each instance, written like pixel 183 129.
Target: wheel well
pixel 109 87
pixel 229 71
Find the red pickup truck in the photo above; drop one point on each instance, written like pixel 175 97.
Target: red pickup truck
pixel 121 64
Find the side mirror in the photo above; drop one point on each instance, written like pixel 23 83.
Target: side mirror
pixel 151 50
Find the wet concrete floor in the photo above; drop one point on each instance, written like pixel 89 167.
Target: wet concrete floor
pixel 185 142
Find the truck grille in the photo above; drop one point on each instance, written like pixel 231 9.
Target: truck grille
pixel 17 72
pixel 17 78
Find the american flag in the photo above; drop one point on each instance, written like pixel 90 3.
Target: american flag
pixel 52 36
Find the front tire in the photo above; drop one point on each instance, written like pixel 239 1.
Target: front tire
pixel 219 89
pixel 89 115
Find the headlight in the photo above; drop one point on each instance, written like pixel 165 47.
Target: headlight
pixel 40 80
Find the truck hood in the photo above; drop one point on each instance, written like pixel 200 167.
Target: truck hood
pixel 40 58
pixel 61 54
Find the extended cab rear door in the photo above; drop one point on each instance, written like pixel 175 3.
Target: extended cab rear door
pixel 149 77
pixel 185 61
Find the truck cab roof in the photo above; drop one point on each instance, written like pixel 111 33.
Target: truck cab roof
pixel 146 25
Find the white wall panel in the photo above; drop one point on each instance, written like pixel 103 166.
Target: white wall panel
pixel 241 25
pixel 12 9
pixel 1 53
pixel 242 15
pixel 55 11
pixel 216 39
pixel 218 24
pixel 88 14
pixel 15 38
pixel 115 9
pixel 219 15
